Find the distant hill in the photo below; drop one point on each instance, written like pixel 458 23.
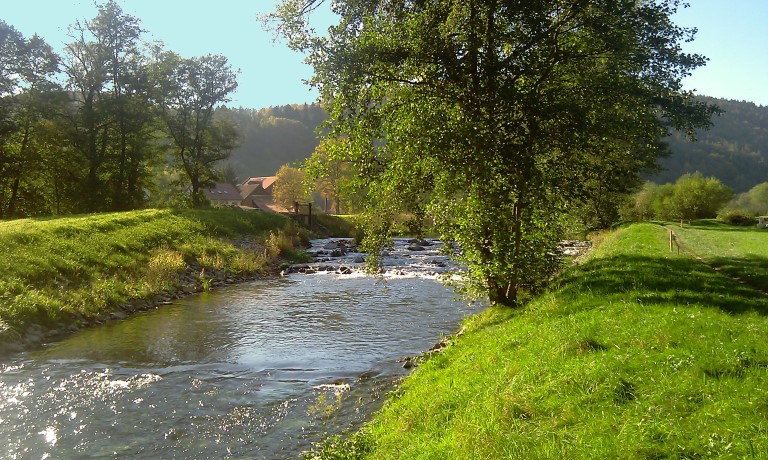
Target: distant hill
pixel 735 149
pixel 274 136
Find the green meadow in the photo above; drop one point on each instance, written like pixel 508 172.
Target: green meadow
pixel 636 353
pixel 69 270
pixel 741 252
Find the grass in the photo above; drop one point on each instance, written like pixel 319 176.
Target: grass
pixel 338 225
pixel 637 353
pixel 741 252
pixel 59 271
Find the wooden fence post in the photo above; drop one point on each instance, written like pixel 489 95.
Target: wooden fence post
pixel 670 241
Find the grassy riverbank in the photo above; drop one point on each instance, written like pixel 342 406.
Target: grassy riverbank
pixel 636 353
pixel 60 272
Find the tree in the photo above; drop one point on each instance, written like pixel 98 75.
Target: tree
pixel 289 186
pixel 111 119
pixel 639 207
pixel 495 111
pixel 129 109
pixel 330 173
pixel 696 196
pixel 188 92
pixel 753 202
pixel 29 98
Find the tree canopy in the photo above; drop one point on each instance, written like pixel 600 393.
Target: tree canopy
pixel 187 92
pixel 497 116
pixel 89 130
pixel 692 196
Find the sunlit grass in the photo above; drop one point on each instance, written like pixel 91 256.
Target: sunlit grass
pixel 73 268
pixel 739 251
pixel 338 225
pixel 637 353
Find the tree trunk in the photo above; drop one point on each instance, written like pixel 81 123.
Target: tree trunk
pixel 502 295
pixel 17 179
pixel 14 196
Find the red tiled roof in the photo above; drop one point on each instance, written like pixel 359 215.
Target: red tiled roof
pixel 260 185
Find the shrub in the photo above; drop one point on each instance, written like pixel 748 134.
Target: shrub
pixel 736 217
pixel 283 243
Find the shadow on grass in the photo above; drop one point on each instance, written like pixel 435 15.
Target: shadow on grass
pixel 718 226
pixel 664 281
pixel 751 269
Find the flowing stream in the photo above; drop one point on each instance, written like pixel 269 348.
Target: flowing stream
pixel 255 370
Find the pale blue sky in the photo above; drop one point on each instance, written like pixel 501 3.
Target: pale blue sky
pixel 733 34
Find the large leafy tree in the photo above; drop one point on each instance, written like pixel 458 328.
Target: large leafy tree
pixel 29 98
pixel 330 174
pixel 35 105
pixel 188 91
pixel 695 196
pixel 496 113
pixel 129 108
pixel 289 187
pixel 110 118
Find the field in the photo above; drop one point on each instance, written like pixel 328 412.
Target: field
pixel 64 271
pixel 638 352
pixel 742 252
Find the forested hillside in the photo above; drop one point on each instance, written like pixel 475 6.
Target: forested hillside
pixel 274 136
pixel 735 149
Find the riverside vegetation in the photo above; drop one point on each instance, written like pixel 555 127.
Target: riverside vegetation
pixel 638 352
pixel 59 274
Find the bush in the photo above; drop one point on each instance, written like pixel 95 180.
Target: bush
pixel 736 217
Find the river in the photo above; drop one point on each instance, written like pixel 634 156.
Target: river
pixel 256 370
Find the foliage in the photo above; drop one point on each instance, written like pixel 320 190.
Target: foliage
pixel 692 197
pixel 27 92
pixel 696 197
pixel 736 217
pixel 78 268
pixel 636 353
pixel 340 448
pixel 109 122
pixel 187 92
pixel 337 225
pixel 83 131
pixel 495 117
pixel 283 243
pixel 289 187
pixel 753 201
pixel 332 175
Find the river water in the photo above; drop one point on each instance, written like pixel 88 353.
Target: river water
pixel 256 370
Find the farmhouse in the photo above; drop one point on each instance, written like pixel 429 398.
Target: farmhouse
pixel 224 194
pixel 257 192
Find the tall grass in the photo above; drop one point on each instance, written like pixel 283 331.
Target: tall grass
pixel 637 353
pixel 77 268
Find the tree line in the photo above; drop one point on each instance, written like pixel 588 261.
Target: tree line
pixel 91 128
pixel 695 196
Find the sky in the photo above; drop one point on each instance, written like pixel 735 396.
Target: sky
pixel 732 34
